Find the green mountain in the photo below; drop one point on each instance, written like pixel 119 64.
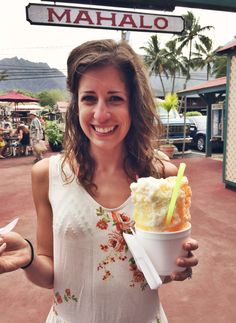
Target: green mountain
pixel 25 75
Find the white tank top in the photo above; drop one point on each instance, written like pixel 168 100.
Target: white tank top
pixel 95 277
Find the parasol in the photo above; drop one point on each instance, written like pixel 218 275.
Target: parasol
pixel 16 98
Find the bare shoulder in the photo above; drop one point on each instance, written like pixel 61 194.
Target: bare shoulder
pixel 164 165
pixel 40 170
pixel 169 168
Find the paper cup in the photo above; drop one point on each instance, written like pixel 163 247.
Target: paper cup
pixel 163 248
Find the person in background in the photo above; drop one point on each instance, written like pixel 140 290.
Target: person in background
pixel 2 144
pixel 36 134
pixel 23 135
pixel 82 196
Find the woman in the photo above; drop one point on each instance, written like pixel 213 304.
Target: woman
pixel 23 135
pixel 83 198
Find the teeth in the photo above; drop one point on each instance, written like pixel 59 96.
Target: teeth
pixel 104 130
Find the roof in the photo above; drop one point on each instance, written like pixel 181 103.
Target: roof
pixel 216 85
pixel 230 46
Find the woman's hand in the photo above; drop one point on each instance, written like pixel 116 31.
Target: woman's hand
pixel 15 252
pixel 187 262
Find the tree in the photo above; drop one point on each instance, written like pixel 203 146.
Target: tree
pixel 220 66
pixel 49 98
pixel 171 102
pixel 192 35
pixel 155 59
pixel 205 56
pixel 175 61
pixel 3 75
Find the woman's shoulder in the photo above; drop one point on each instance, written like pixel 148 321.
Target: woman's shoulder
pixel 169 169
pixel 164 165
pixel 40 170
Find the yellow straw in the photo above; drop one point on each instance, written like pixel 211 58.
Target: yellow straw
pixel 175 192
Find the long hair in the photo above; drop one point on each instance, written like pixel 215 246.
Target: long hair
pixel 144 131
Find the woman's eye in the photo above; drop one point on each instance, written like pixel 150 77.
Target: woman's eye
pixel 116 98
pixel 89 99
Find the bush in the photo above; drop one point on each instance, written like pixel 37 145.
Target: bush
pixel 193 113
pixel 53 133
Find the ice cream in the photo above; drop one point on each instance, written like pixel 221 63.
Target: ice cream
pixel 151 198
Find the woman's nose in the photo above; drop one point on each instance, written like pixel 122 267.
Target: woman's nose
pixel 101 111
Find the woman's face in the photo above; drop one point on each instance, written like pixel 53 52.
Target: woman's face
pixel 103 101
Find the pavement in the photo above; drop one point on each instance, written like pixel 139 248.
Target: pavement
pixel 209 297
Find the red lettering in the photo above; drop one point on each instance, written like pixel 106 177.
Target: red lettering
pixel 51 12
pixel 127 19
pixel 85 18
pixel 161 23
pixel 142 23
pixel 100 18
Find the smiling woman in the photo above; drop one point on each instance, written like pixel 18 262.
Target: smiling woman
pixel 83 198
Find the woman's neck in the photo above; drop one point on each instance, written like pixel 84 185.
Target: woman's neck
pixel 108 161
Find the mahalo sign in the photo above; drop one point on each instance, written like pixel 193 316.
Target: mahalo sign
pixel 109 19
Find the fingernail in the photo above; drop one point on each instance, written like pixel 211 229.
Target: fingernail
pixel 180 262
pixel 3 246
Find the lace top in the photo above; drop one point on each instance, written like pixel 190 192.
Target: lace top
pixel 95 277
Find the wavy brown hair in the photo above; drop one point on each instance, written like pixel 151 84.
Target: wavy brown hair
pixel 145 124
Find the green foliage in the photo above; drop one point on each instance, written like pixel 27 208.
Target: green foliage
pixel 171 102
pixel 193 113
pixel 49 98
pixel 220 66
pixel 53 133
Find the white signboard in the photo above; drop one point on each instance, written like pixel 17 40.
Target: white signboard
pixel 38 14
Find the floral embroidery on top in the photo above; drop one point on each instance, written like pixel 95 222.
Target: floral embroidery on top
pixel 116 248
pixel 67 297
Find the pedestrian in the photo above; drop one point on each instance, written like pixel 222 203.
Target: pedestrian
pixel 82 197
pixel 36 134
pixel 23 135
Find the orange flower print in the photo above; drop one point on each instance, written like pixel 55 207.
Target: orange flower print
pixel 104 247
pixel 116 241
pixel 138 276
pixel 122 221
pixel 107 275
pixel 102 224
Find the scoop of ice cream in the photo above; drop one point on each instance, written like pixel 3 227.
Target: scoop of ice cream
pixel 151 198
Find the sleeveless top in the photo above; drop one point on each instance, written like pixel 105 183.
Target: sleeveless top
pixel 95 277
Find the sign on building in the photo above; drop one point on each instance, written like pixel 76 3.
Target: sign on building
pixel 38 14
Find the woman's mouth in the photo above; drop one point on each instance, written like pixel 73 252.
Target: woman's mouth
pixel 104 130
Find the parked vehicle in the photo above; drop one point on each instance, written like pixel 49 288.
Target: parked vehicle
pixel 198 133
pixel 176 128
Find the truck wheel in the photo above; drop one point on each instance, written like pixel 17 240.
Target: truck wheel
pixel 201 143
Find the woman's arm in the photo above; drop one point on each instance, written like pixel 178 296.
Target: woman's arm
pixel 15 252
pixel 41 270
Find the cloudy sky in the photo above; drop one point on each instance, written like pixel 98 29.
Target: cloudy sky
pixel 50 44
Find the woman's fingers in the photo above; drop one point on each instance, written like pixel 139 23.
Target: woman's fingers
pixel 190 245
pixel 182 275
pixel 2 247
pixel 189 261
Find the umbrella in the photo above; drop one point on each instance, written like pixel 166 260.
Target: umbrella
pixel 16 98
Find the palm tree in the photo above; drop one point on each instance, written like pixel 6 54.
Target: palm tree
pixel 155 59
pixel 176 62
pixel 205 56
pixel 220 66
pixel 192 35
